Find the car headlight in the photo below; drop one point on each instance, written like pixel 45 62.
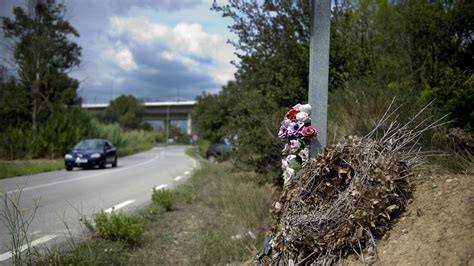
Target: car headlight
pixel 68 156
pixel 95 155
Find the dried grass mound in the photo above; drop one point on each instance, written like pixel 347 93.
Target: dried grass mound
pixel 338 201
pixel 346 197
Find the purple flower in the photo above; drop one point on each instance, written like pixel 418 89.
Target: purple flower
pixel 286 122
pixel 283 133
pixel 295 129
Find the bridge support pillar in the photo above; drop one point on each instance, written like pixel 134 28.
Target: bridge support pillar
pixel 190 125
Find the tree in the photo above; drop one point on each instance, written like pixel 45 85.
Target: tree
pixel 43 53
pixel 416 50
pixel 213 111
pixel 273 47
pixel 127 111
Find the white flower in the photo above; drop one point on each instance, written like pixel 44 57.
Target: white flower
pixel 284 164
pixel 302 117
pixel 288 173
pixel 297 107
pixel 305 108
pixel 289 158
pixel 286 149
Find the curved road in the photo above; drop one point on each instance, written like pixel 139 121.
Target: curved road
pixel 64 197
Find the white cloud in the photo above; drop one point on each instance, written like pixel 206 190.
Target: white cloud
pixel 184 42
pixel 122 57
pixel 177 57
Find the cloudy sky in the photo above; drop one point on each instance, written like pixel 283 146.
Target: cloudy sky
pixel 153 49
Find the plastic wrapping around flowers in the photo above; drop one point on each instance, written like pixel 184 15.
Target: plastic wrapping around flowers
pixel 297 133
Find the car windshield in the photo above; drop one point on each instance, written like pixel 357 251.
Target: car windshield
pixel 90 144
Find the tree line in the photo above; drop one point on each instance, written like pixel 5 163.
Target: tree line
pixel 417 51
pixel 40 109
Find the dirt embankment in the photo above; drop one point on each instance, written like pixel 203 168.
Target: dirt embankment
pixel 437 228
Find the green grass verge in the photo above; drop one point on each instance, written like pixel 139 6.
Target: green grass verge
pixel 221 217
pixel 233 214
pixel 28 167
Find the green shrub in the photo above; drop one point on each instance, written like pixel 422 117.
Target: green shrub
pixel 16 143
pixel 126 141
pixel 62 129
pixel 203 145
pixel 164 197
pixel 119 226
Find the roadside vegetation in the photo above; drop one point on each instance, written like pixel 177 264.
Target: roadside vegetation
pixel 127 141
pixel 25 156
pixel 217 216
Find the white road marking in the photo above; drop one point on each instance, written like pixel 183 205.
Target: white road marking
pixel 187 172
pixel 83 177
pixel 7 255
pixel 177 178
pixel 119 206
pixel 161 187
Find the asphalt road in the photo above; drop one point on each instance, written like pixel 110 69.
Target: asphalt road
pixel 64 196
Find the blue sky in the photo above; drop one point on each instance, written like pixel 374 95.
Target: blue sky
pixel 153 49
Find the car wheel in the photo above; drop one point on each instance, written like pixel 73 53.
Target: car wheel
pixel 212 159
pixel 102 164
pixel 68 168
pixel 114 164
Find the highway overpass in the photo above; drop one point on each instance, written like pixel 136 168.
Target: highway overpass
pixel 159 111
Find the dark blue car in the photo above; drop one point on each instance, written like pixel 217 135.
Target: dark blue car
pixel 90 153
pixel 219 152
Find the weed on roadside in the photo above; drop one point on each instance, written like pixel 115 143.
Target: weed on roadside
pixel 94 251
pixel 118 226
pixel 17 220
pixel 164 197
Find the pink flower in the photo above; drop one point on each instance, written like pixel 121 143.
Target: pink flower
pixel 304 154
pixel 294 145
pixel 309 132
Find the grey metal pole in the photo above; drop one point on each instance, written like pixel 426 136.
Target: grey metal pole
pixel 319 71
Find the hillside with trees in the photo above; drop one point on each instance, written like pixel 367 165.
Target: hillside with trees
pixel 417 52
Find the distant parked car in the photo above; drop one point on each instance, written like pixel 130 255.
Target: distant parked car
pixel 90 153
pixel 219 152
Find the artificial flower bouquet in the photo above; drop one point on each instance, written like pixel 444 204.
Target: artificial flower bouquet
pixel 297 133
